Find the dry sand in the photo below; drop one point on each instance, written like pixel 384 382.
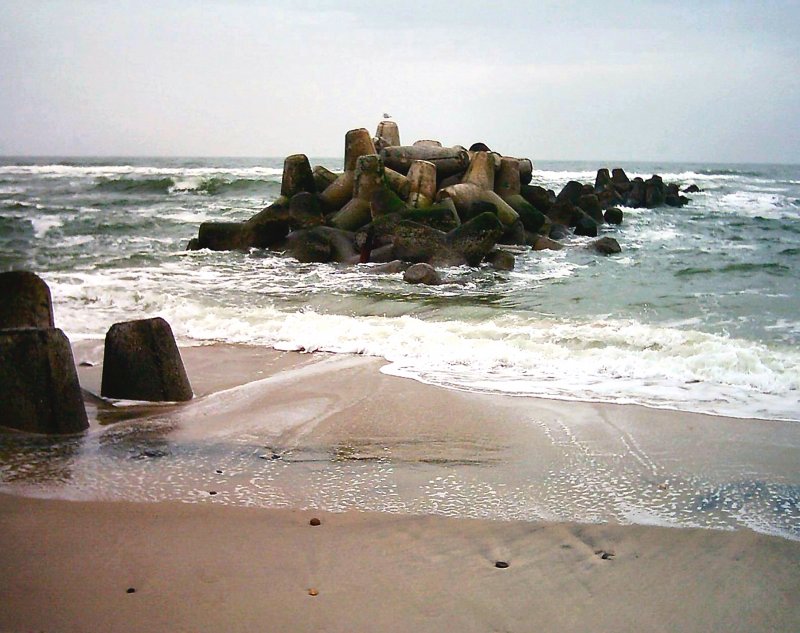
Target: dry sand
pixel 358 438
pixel 68 566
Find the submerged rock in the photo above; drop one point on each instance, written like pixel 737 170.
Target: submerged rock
pixel 606 246
pixel 422 274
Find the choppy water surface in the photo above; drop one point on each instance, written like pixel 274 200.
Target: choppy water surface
pixel 698 313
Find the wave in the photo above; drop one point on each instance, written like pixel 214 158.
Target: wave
pixel 214 185
pixel 116 171
pixel 218 185
pixel 621 361
pixel 773 268
pixel 142 185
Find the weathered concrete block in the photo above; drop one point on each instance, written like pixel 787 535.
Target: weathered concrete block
pixel 141 362
pixel 24 301
pixel 39 389
pixel 297 176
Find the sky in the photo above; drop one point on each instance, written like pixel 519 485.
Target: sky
pixel 710 81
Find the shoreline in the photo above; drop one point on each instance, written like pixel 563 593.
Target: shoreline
pixel 420 490
pixel 88 347
pixel 332 432
pixel 212 568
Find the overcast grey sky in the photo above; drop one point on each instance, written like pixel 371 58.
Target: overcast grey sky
pixel 640 80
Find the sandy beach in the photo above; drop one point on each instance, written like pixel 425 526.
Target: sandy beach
pixel 420 491
pixel 69 567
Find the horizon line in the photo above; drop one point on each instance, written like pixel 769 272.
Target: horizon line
pixel 277 156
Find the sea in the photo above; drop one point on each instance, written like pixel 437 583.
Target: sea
pixel 700 312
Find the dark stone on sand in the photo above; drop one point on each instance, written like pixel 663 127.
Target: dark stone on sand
pixel 25 302
pixel 501 564
pixel 212 492
pixel 130 590
pixel 500 260
pixel 141 362
pixel 218 471
pixel 571 192
pixel 692 189
pixel 606 246
pixel 315 522
pixel 39 388
pixel 586 226
pixel 422 274
pixel 613 215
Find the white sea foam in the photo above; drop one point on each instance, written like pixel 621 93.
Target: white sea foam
pixel 42 224
pixel 600 360
pixel 755 203
pixel 110 171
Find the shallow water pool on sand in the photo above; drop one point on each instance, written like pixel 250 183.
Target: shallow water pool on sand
pixel 333 433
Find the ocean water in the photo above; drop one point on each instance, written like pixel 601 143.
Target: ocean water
pixel 700 312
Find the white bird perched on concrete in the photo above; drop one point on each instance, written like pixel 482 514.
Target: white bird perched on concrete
pixel 387 116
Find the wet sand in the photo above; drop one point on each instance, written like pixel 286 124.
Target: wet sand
pixel 314 432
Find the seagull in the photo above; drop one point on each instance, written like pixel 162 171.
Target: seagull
pixel 387 115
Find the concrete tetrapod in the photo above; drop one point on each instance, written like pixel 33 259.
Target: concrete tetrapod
pixel 422 178
pixel 141 362
pixel 39 388
pixel 448 160
pixel 25 301
pixel 369 178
